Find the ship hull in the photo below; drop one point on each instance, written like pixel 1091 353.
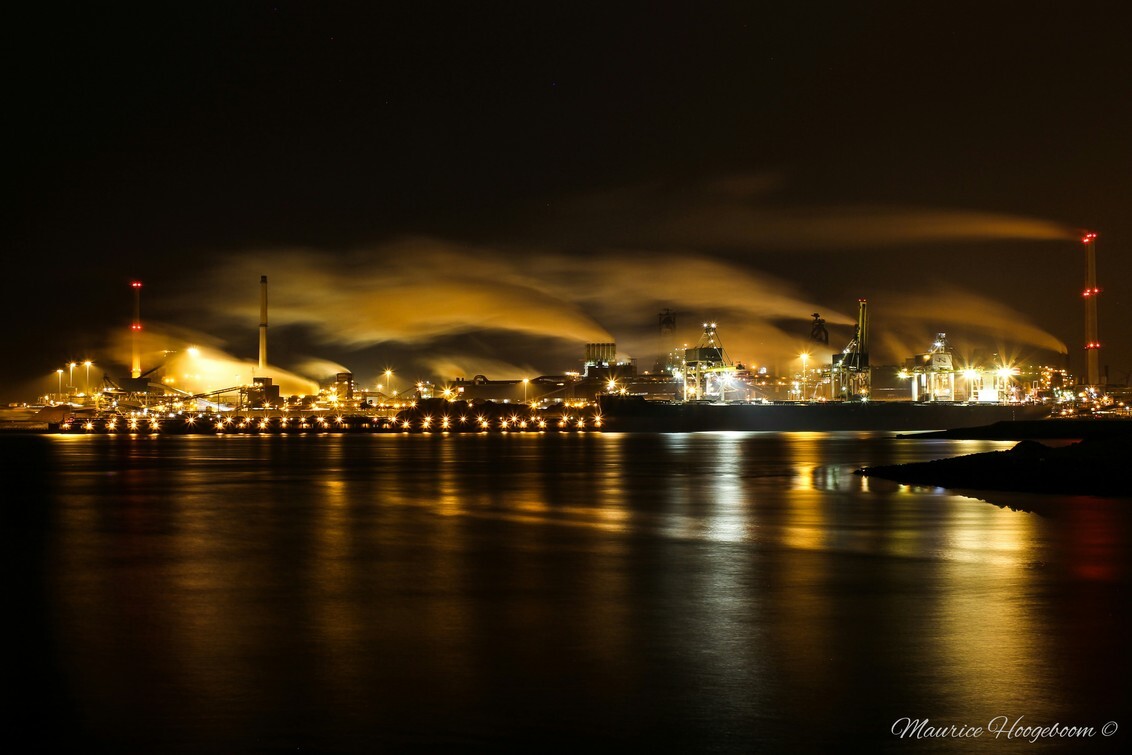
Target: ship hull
pixel 634 415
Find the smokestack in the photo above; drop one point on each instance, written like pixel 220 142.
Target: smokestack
pixel 135 331
pixel 1092 337
pixel 262 323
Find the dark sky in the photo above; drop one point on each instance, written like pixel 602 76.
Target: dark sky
pixel 448 188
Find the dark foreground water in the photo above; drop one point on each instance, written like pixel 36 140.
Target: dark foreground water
pixel 702 592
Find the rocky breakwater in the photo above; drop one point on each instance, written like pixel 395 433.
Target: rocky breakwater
pixel 1100 466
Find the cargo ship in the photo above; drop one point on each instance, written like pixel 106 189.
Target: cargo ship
pixel 635 414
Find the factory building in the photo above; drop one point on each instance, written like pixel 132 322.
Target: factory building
pixel 263 393
pixel 601 372
pixel 935 376
pixel 545 389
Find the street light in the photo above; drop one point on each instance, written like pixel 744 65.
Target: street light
pixel 71 377
pixel 525 381
pixel 86 388
pixel 389 381
pixel 59 372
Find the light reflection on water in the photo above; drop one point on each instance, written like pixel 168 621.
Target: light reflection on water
pixel 704 591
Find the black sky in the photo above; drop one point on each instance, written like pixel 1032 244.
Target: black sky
pixel 167 141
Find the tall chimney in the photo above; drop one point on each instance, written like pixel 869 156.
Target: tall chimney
pixel 1092 337
pixel 135 331
pixel 262 323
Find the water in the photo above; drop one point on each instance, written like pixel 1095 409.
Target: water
pixel 696 592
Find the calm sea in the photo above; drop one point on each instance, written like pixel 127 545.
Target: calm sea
pixel 685 592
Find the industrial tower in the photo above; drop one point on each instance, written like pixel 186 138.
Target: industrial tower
pixel 851 371
pixel 262 323
pixel 1092 337
pixel 135 331
pixel 666 343
pixel 706 358
pixel 264 390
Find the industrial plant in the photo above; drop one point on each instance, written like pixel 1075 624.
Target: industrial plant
pixel 608 390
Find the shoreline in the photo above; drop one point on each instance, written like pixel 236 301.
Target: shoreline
pixel 1094 466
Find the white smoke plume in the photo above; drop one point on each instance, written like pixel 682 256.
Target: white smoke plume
pixel 420 290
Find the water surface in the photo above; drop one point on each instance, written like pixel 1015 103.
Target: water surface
pixel 693 592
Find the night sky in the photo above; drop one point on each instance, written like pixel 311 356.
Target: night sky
pixel 457 188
